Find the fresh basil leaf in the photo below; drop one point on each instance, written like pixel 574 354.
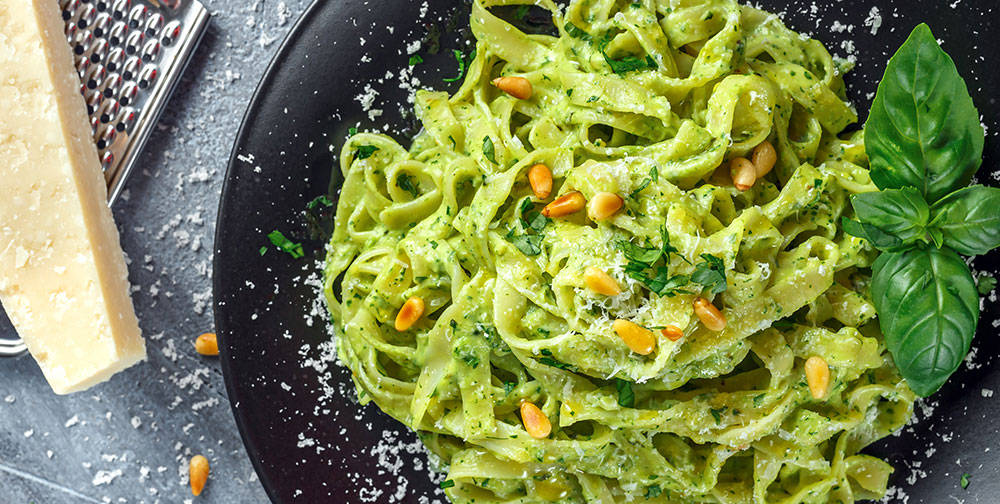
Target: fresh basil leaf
pixel 489 150
pixel 923 129
pixel 928 309
pixel 626 397
pixel 892 219
pixel 416 60
pixel 964 481
pixel 536 221
pixel 366 151
pixel 984 285
pixel 969 220
pixel 526 205
pixel 323 200
pixel 636 253
pixel 711 274
pixel 875 236
pixel 447 484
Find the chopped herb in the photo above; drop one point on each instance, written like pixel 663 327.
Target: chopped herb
pixel 405 182
pixel 489 150
pixel 352 131
pixel 447 484
pixel 322 200
pixel 592 99
pixel 526 205
pixel 416 60
pixel 575 32
pixel 463 63
pixel 366 151
pixel 626 397
pixel 434 244
pixel 286 245
pixel 653 491
pixel 626 64
pixel 711 274
pixel 757 399
pixel 569 92
pixel 263 250
pixel 654 175
pixel 522 11
pixel 549 361
pixel 986 284
pixel 508 387
pixel 965 480
pixel 717 413
pixel 530 245
pixel 454 144
pixel 470 360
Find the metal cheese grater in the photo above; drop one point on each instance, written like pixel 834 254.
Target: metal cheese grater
pixel 130 55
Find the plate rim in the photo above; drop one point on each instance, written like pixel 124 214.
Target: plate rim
pixel 262 88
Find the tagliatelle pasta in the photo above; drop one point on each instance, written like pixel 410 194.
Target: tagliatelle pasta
pixel 650 101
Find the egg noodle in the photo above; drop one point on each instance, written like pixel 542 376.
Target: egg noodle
pixel 650 101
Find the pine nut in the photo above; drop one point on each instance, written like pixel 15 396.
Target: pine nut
pixel 638 338
pixel 743 172
pixel 604 205
pixel 818 376
pixel 410 313
pixel 518 87
pixel 672 332
pixel 198 473
pixel 207 344
pixel 764 158
pixel 540 178
pixel 535 421
pixel 601 282
pixel 567 204
pixel 710 316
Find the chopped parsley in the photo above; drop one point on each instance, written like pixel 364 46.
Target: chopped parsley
pixel 717 413
pixel 489 150
pixel 626 64
pixel 447 484
pixel 626 397
pixel 263 250
pixel 711 273
pixel 366 151
pixel 654 175
pixel 965 480
pixel 549 361
pixel 405 182
pixel 286 245
pixel 575 32
pixel 322 200
pixel 469 359
pixel 416 60
pixel 508 387
pixel 653 490
pixel 986 284
pixel 463 63
pixel 592 99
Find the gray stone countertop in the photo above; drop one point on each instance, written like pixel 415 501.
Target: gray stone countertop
pixel 129 440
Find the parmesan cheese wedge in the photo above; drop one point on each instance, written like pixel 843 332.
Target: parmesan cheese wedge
pixel 63 279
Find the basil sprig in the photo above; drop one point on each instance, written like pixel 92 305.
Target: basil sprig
pixel 924 143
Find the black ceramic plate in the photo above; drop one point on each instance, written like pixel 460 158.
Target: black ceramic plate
pixel 309 440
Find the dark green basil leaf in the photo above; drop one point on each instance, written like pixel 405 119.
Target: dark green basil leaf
pixel 530 245
pixel 969 219
pixel 874 235
pixel 626 397
pixel 923 129
pixel 928 309
pixel 891 219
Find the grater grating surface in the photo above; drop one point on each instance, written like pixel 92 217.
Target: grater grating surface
pixel 130 55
